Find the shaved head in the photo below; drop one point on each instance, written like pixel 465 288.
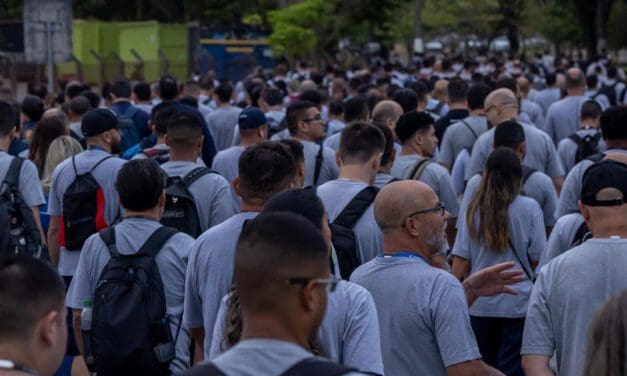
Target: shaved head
pixel 398 200
pixel 575 79
pixel 501 96
pixel 385 110
pixel 440 87
pixel 523 85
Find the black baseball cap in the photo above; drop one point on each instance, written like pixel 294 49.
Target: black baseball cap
pixel 251 118
pixel 97 121
pixel 605 174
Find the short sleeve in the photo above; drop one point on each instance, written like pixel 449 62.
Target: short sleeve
pixel 553 165
pixel 30 186
pixel 446 149
pixel 54 196
pixel 218 343
pixel 462 245
pixel 362 346
pixel 538 338
pixel 221 203
pixel 85 277
pixel 447 193
pixel 549 201
pixel 478 158
pixel 537 233
pixel 453 333
pixel 571 190
pixel 192 313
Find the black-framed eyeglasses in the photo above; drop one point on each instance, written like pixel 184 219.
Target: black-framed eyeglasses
pixel 330 283
pixel 438 207
pixel 315 118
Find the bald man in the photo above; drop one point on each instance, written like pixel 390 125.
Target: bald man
pixel 581 279
pixel 562 118
pixel 501 105
pixel 423 314
pixel 532 109
pixel 387 113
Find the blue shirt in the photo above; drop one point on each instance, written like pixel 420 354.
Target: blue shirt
pixel 140 122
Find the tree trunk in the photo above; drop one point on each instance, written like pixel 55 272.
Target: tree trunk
pixel 417 20
pixel 586 12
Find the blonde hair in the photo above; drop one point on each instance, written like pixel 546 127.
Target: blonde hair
pixel 60 149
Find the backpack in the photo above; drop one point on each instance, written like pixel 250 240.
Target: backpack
pixel 20 235
pixel 161 156
pixel 308 367
pixel 180 211
pixel 598 157
pixel 583 233
pixel 342 235
pixel 130 333
pixel 610 92
pixel 83 209
pixel 130 135
pixel 318 167
pixel 586 146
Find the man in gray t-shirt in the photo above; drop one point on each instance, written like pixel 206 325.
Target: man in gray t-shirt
pixel 211 192
pixel 143 208
pixel 562 117
pixel 305 124
pixel 223 120
pixel 422 310
pixel 501 105
pixel 266 168
pixel 571 287
pixel 103 139
pixel 586 138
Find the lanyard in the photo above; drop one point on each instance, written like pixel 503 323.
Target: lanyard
pixel 12 366
pixel 403 254
pixel 96 147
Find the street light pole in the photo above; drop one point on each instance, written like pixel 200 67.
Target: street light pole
pixel 49 60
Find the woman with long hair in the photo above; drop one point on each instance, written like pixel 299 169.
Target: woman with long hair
pixel 60 149
pixel 607 339
pixel 47 130
pixel 500 225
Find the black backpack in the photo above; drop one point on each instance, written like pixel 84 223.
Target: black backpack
pixel 586 146
pixel 130 333
pixel 318 166
pixel 610 92
pixel 160 156
pixel 82 211
pixel 583 233
pixel 307 367
pixel 180 211
pixel 19 235
pixel 342 235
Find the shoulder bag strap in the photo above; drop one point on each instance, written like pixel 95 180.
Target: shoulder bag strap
pixel 96 165
pixel 319 159
pixel 356 207
pixel 419 167
pixel 470 129
pixel 529 273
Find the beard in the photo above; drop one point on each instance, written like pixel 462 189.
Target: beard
pixel 437 240
pixel 116 147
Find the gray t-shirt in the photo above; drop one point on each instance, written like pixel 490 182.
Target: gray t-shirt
pixel 540 153
pixel 349 333
pixel 534 111
pixel 211 192
pixel 434 175
pixel 171 260
pixel 567 148
pixel 567 293
pixel 261 357
pixel 423 315
pixel 225 163
pixel 571 190
pixel 221 123
pixel 210 273
pixel 538 187
pixel 28 183
pixel 329 169
pixel 335 196
pixel 382 179
pixel 561 237
pixel 547 97
pixel 461 136
pixel 335 126
pixel 562 118
pixel 527 234
pixel 105 174
pixel 333 141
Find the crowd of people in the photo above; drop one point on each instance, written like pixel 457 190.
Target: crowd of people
pixel 460 218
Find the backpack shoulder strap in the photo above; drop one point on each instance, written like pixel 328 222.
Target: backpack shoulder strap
pixel 319 159
pixel 155 242
pixel 419 167
pixel 153 152
pixel 527 172
pixel 575 138
pixel 108 237
pixel 470 128
pixel 194 175
pixel 393 180
pixel 314 366
pixel 12 178
pixel 598 157
pixel 582 234
pixel 96 165
pixel 356 207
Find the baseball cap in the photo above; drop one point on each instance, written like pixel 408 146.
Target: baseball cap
pixel 601 175
pixel 97 121
pixel 251 117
